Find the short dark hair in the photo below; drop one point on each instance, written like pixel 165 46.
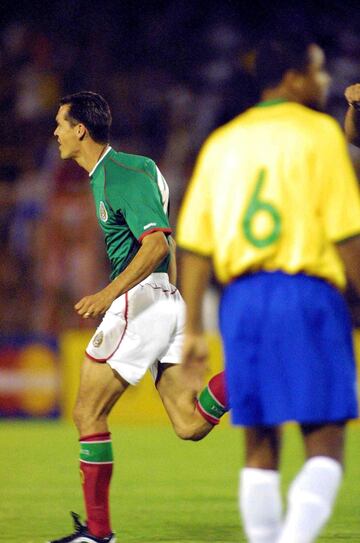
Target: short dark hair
pixel 273 58
pixel 92 110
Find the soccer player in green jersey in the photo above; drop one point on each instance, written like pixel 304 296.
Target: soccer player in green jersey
pixel 352 119
pixel 143 311
pixel 274 206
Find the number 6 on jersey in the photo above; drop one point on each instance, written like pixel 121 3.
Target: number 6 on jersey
pixel 256 206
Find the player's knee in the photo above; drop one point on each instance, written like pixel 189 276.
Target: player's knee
pixel 186 434
pixel 189 432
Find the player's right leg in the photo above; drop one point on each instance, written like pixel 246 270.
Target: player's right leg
pixel 313 492
pixel 192 409
pixel 325 398
pixel 100 388
pixel 192 415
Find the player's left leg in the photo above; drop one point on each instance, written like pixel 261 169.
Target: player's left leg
pixel 100 388
pixel 192 416
pixel 313 492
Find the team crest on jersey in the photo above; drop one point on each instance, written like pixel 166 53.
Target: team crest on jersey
pixel 103 212
pixel 98 339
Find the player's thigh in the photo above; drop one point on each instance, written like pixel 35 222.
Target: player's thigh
pixel 100 387
pixel 138 331
pixel 262 447
pixel 324 439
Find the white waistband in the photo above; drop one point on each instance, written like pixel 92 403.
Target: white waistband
pixel 157 279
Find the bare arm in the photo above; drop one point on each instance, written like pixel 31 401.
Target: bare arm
pixel 349 252
pixel 172 271
pixel 195 276
pixel 152 252
pixel 352 119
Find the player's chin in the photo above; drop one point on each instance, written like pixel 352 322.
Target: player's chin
pixel 64 154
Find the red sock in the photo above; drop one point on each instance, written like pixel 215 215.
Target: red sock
pixel 96 465
pixel 212 402
pixel 217 386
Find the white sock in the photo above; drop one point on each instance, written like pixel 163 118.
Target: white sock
pixel 260 504
pixel 310 500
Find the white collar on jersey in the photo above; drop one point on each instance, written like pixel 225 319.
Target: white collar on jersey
pixel 100 159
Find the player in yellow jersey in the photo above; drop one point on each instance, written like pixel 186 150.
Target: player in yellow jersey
pixel 352 120
pixel 274 206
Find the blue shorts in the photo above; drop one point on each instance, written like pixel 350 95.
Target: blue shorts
pixel 288 350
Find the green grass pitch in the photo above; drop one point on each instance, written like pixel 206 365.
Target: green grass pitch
pixel 163 489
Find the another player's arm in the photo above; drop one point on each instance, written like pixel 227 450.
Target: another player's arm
pixel 352 119
pixel 195 277
pixel 341 204
pixel 349 251
pixel 154 248
pixel 172 271
pixel 195 237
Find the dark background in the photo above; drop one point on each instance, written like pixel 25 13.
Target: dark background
pixel 172 71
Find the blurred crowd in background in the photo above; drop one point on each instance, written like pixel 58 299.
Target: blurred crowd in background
pixel 172 71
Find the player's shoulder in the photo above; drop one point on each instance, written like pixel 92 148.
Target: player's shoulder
pixel 127 164
pixel 234 127
pixel 235 124
pixel 222 134
pixel 317 119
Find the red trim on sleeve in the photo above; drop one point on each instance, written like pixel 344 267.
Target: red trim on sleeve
pixel 165 230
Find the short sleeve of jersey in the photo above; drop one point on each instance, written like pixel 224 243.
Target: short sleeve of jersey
pixel 139 196
pixel 194 227
pixel 341 195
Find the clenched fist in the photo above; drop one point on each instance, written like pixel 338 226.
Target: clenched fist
pixel 352 95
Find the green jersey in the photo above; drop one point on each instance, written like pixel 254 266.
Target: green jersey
pixel 131 199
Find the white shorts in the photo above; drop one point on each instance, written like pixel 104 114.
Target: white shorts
pixel 142 327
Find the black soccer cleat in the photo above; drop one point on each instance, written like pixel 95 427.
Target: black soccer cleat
pixel 81 534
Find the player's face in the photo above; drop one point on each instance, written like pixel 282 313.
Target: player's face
pixel 317 80
pixel 66 134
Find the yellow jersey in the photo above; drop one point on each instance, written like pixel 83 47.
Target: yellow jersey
pixel 274 189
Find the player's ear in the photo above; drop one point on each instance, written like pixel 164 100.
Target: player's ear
pixel 294 81
pixel 80 131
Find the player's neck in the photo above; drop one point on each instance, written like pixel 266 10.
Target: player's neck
pixel 278 93
pixel 90 155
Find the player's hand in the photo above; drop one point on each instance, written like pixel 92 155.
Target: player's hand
pixel 195 350
pixel 352 94
pixel 195 359
pixel 95 304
